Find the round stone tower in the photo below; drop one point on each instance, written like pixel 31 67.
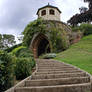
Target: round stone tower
pixel 51 34
pixel 49 12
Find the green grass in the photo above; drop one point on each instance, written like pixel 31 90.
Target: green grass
pixel 79 54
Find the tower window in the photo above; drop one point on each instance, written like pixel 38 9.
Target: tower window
pixel 43 13
pixel 52 12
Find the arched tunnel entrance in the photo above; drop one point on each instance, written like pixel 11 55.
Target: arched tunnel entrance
pixel 43 47
pixel 40 45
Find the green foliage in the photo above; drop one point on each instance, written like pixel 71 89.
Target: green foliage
pixel 79 54
pixel 23 67
pixel 85 28
pixel 19 61
pixel 17 51
pixel 6 71
pixel 24 62
pixel 58 38
pixel 55 34
pixel 13 47
pixel 31 29
pixel 21 51
pixel 6 41
pixel 75 29
pixel 1 43
pixel 48 56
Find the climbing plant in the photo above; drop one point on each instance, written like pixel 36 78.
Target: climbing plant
pixel 55 34
pixel 31 29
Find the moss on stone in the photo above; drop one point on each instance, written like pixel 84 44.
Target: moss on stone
pixel 57 33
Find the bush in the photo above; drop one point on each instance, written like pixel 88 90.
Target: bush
pixel 48 56
pixel 23 67
pixel 86 29
pixel 75 29
pixel 22 51
pixel 13 47
pixel 6 71
pixel 24 62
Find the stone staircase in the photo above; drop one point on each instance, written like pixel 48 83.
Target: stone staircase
pixel 54 76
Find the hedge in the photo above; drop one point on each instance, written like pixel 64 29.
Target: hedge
pixel 6 71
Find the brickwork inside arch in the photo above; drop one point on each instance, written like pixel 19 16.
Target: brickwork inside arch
pixel 39 45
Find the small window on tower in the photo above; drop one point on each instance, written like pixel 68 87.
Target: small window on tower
pixel 43 13
pixel 52 12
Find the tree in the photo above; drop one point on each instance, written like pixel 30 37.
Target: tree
pixel 1 43
pixel 90 3
pixel 83 9
pixel 84 16
pixel 20 38
pixel 6 41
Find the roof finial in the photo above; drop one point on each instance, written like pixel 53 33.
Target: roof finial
pixel 48 4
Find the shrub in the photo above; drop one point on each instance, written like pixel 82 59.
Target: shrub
pixel 13 47
pixel 48 56
pixel 16 51
pixel 24 62
pixel 86 29
pixel 6 71
pixel 23 67
pixel 75 29
pixel 22 51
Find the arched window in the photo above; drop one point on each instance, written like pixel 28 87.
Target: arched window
pixel 52 12
pixel 43 12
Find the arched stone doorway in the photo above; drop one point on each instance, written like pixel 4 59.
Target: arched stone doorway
pixel 40 45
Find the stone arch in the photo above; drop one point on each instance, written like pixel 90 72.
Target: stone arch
pixel 40 45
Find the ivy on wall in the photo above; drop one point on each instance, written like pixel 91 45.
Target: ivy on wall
pixel 56 34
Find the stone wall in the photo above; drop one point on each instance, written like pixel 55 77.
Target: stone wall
pixel 76 37
pixel 53 28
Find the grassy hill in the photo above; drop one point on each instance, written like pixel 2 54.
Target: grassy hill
pixel 79 54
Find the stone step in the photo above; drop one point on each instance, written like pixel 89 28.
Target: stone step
pixel 85 87
pixel 60 81
pixel 52 66
pixel 56 68
pixel 63 75
pixel 45 70
pixel 52 63
pixel 56 72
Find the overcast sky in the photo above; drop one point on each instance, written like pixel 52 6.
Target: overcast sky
pixel 16 14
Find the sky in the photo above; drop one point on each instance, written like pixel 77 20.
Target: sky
pixel 16 14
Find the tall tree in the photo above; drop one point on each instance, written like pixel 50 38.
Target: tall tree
pixel 90 3
pixel 84 16
pixel 6 41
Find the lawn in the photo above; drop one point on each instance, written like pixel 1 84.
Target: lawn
pixel 79 54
